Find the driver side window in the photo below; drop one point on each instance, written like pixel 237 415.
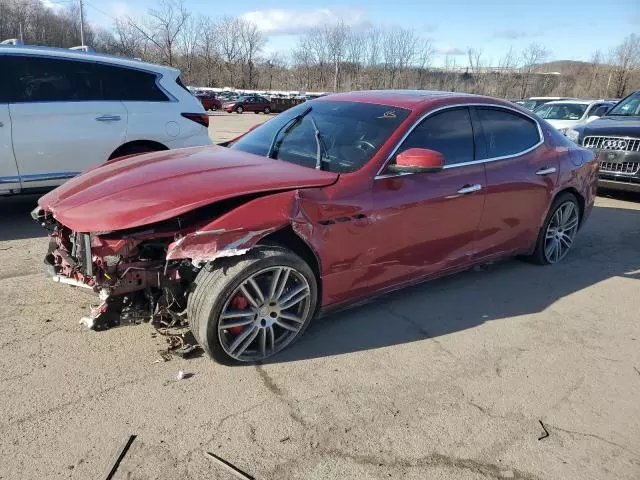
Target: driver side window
pixel 448 132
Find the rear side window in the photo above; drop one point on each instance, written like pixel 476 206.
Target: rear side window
pixel 507 133
pixel 127 84
pixel 448 132
pixel 42 79
pixel 37 79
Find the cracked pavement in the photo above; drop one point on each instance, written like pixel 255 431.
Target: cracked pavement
pixel 446 380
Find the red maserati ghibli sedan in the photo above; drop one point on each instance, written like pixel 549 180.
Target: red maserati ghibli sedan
pixel 336 200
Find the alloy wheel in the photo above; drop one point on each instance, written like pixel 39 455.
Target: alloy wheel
pixel 561 232
pixel 264 314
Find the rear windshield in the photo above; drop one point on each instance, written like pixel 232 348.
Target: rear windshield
pixel 350 134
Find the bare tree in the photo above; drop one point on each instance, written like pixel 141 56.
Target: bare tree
pixel 532 56
pixel 162 26
pixel 336 41
pixel 476 67
pixel 128 40
pixel 625 58
pixel 229 40
pixel 208 50
pixel 252 42
pixel 425 54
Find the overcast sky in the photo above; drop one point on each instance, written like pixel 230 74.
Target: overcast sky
pixel 570 29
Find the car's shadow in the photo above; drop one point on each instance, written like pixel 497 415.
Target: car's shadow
pixel 608 246
pixel 15 219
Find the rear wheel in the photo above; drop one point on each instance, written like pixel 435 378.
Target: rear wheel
pixel 267 110
pixel 254 307
pixel 558 231
pixel 239 109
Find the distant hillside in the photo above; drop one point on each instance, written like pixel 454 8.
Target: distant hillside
pixel 565 67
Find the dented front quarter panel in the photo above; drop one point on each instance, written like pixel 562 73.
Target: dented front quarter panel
pixel 235 232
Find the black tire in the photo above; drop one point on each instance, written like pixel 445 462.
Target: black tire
pixel 133 150
pixel 239 109
pixel 212 289
pixel 267 110
pixel 538 256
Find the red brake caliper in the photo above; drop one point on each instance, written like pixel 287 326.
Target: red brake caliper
pixel 240 303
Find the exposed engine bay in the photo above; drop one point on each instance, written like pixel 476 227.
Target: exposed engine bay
pixel 132 271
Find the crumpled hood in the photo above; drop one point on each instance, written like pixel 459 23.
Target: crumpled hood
pixel 149 188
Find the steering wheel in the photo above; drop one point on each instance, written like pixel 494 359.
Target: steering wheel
pixel 364 145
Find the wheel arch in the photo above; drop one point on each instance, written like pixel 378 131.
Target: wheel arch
pixel 286 237
pixel 575 193
pixel 125 147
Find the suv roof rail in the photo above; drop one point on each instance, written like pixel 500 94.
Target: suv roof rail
pixel 83 48
pixel 12 41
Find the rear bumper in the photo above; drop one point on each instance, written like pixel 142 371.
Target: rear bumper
pixel 620 186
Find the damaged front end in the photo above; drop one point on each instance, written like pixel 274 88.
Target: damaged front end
pixel 127 270
pixel 145 273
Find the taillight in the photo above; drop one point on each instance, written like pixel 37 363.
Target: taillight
pixel 201 118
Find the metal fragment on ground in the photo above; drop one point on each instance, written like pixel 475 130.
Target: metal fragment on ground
pixel 119 456
pixel 229 467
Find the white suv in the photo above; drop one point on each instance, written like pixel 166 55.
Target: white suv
pixel 63 111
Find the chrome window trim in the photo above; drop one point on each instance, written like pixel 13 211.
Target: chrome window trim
pixel 380 175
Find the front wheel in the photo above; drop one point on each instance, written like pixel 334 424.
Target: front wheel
pixel 254 307
pixel 267 110
pixel 558 231
pixel 239 110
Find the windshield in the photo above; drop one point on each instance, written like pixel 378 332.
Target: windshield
pixel 562 111
pixel 630 106
pixel 533 104
pixel 351 133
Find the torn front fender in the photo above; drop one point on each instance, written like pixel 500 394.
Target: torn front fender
pixel 238 230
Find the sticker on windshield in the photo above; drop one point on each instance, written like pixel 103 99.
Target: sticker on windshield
pixel 388 114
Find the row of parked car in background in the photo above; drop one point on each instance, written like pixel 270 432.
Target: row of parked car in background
pixel 250 101
pixel 609 126
pixel 56 102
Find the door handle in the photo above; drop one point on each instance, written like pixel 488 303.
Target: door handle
pixel 470 189
pixel 546 171
pixel 108 118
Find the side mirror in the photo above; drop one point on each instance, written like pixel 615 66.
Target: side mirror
pixel 418 160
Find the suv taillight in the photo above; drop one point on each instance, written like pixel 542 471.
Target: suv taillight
pixel 201 118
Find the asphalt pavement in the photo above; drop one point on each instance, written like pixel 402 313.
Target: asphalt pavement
pixel 514 371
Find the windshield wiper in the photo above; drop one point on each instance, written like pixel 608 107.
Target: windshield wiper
pixel 319 144
pixel 288 125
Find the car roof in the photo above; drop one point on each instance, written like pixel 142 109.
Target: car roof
pixel 86 56
pixel 409 99
pixel 550 98
pixel 580 102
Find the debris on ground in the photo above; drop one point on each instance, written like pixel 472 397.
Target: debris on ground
pixel 120 454
pixel 638 371
pixel 186 351
pixel 183 375
pixel 546 432
pixel 230 467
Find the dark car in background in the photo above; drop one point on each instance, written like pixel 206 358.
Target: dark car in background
pixel 248 103
pixel 616 138
pixel 209 100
